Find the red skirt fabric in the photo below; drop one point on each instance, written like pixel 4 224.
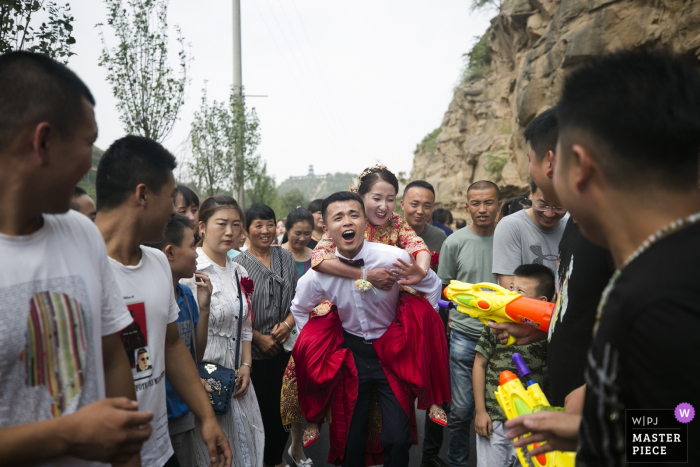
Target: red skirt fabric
pixel 413 352
pixel 326 378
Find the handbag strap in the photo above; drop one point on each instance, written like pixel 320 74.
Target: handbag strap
pixel 240 321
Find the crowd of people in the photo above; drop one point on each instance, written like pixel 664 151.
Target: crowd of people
pixel 149 328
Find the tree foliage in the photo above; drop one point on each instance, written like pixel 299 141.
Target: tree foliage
pixel 149 95
pixel 224 140
pixel 485 4
pixel 210 149
pixel 244 139
pixel 19 31
pixel 292 199
pixel 262 188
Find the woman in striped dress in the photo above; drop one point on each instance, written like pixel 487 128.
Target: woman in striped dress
pixel 220 223
pixel 275 275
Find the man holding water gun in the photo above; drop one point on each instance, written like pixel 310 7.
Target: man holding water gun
pixel 629 135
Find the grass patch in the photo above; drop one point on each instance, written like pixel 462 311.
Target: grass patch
pixel 429 143
pixel 477 62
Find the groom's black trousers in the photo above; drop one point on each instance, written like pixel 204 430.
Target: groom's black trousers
pixel 396 438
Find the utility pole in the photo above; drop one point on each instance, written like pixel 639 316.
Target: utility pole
pixel 237 87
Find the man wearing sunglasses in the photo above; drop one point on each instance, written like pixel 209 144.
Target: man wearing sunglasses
pixel 530 236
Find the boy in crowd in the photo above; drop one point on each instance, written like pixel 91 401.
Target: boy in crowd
pixel 629 135
pixel 492 447
pixel 53 409
pixel 192 322
pixel 135 191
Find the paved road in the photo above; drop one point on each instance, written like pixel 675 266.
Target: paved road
pixel 319 450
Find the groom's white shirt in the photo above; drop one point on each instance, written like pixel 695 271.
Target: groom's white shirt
pixel 367 317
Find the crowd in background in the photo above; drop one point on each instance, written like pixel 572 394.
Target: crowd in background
pixel 189 287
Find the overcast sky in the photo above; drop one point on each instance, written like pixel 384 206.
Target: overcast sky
pixel 348 83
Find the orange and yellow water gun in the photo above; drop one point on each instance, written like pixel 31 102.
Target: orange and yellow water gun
pixel 486 301
pixel 515 401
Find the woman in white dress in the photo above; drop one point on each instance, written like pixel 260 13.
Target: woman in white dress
pixel 220 223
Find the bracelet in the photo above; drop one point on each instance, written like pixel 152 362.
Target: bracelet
pixel 285 322
pixel 364 275
pixel 251 368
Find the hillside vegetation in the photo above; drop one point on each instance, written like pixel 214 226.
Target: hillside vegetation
pixel 319 186
pixel 88 181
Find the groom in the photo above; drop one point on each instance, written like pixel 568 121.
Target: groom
pixel 364 316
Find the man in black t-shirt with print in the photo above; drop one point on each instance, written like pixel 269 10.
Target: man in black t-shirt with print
pixel 627 170
pixel 583 271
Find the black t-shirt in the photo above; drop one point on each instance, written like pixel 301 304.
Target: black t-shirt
pixel 583 272
pixel 645 352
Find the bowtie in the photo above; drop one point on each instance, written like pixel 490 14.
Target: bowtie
pixel 356 263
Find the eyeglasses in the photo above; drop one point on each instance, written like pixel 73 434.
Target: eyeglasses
pixel 547 207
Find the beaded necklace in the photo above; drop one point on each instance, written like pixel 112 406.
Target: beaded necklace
pixel 663 232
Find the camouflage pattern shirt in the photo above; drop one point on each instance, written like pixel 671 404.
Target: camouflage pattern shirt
pixel 499 359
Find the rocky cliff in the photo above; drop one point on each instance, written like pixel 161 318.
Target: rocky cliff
pixel 529 48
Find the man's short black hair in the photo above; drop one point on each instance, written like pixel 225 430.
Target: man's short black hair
pixel 127 163
pixel 484 185
pixel 442 216
pixel 175 232
pixel 77 193
pixel 419 184
pixel 460 223
pixel 259 211
pixel 35 88
pixel 542 274
pixel 533 188
pixel 639 113
pixel 316 205
pixel 542 133
pixel 341 196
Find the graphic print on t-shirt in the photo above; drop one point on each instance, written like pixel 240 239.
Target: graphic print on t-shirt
pixel 562 298
pixel 540 256
pixel 46 359
pixel 135 341
pixel 55 351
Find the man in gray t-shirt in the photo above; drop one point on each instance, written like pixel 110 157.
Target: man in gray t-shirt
pixel 466 256
pixel 530 236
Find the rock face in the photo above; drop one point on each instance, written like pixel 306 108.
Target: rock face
pixel 533 45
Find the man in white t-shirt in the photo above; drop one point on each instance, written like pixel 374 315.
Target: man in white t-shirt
pixel 60 307
pixel 135 191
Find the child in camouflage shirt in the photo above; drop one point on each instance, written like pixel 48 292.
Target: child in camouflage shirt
pixel 493 449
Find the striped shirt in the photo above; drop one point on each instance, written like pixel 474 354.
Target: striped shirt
pixel 274 290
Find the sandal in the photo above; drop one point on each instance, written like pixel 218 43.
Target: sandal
pixel 311 435
pixel 438 415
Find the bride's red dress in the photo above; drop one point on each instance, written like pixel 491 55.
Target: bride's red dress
pixel 412 351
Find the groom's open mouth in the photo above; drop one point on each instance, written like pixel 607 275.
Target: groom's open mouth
pixel 348 235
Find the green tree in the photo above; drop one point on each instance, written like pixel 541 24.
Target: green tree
pixel 53 37
pixel 262 188
pixel 244 138
pixel 486 4
pixel 291 199
pixel 149 95
pixel 224 140
pixel 210 146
